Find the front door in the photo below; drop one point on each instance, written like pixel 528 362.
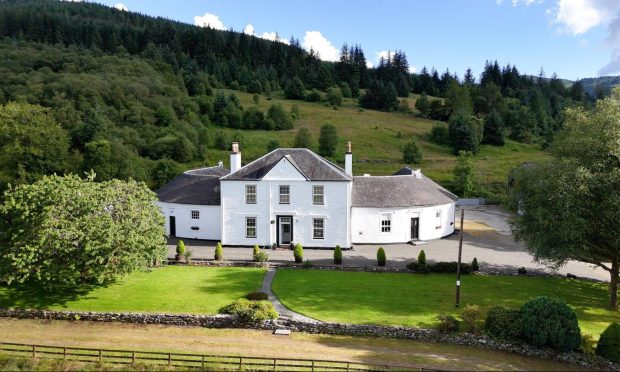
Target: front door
pixel 173 226
pixel 286 230
pixel 415 228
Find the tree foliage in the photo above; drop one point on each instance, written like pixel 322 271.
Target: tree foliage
pixel 412 153
pixel 464 174
pixel 303 138
pixel 328 140
pixel 569 207
pixel 68 230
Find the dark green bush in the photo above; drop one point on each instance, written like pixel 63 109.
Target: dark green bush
pixel 422 257
pixel 503 323
pixel 522 271
pixel 298 253
pixel 449 267
pixel 251 311
pixel 381 258
pixel 609 343
pixel 219 252
pixel 418 268
pixel 550 322
pixel 257 296
pixel 474 265
pixel 338 255
pixel 447 323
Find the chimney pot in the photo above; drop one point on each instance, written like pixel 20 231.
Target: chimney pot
pixel 235 147
pixel 348 147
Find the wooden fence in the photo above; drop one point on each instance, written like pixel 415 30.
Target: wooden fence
pixel 188 361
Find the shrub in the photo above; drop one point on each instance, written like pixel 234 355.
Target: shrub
pixel 587 346
pixel 422 257
pixel 550 322
pixel 471 316
pixel 180 247
pixel 447 323
pixel 449 267
pixel 219 252
pixel 255 251
pixel 314 96
pixel 381 258
pixel 503 323
pixel 418 268
pixel 439 134
pixel 298 253
pixel 338 255
pixel 251 311
pixel 307 264
pixel 609 343
pixel 188 256
pixel 412 153
pixel 522 271
pixel 257 296
pixel 474 265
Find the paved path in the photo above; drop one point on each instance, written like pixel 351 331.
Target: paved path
pixel 280 308
pixel 495 250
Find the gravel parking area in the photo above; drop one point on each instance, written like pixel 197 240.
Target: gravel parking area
pixel 493 247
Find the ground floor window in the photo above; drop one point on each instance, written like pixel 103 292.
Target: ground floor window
pixel 438 219
pixel 318 228
pixel 250 227
pixel 386 223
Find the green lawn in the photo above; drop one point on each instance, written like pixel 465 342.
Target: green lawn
pixel 174 289
pixel 415 300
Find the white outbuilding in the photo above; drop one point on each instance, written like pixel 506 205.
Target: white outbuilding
pixel 295 196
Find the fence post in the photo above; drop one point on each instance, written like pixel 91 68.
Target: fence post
pixel 34 351
pixel 348 366
pixel 133 357
pixel 169 359
pixel 312 367
pixel 64 353
pixel 275 361
pixel 203 361
pixel 240 362
pixel 100 355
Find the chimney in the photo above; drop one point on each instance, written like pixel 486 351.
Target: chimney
pixel 348 160
pixel 235 158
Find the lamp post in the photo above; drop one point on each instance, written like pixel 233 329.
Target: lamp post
pixel 458 263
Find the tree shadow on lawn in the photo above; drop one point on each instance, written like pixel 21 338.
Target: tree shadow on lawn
pixel 227 282
pixel 32 295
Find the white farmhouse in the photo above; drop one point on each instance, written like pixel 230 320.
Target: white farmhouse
pixel 296 196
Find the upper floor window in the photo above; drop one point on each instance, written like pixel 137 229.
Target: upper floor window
pixel 195 215
pixel 250 194
pixel 386 223
pixel 285 194
pixel 318 197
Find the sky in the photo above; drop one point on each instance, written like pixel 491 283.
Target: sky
pixel 573 38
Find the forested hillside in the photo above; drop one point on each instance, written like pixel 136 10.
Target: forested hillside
pixel 131 96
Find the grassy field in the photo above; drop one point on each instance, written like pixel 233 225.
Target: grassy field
pixel 265 344
pixel 195 290
pixel 415 300
pixel 378 138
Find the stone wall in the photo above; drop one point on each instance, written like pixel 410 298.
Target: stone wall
pixel 227 321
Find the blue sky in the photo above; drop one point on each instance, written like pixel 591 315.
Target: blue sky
pixel 574 38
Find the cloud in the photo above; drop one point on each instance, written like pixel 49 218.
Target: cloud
pixel 518 2
pixel 577 16
pixel 209 20
pixel 273 36
pixel 248 29
pixel 121 6
pixel 369 64
pixel 316 41
pixel 382 54
pixel 613 41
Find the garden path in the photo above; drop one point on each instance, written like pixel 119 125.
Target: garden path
pixel 280 308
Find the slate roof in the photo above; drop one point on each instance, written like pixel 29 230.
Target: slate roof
pixel 309 164
pixel 405 171
pixel 197 186
pixel 398 191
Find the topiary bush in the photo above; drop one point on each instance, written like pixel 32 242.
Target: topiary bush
pixel 251 311
pixel 257 296
pixel 255 251
pixel 422 257
pixel 447 323
pixel 474 265
pixel 298 253
pixel 338 255
pixel 258 255
pixel 219 252
pixel 449 267
pixel 471 316
pixel 503 323
pixel 180 248
pixel 550 322
pixel 381 258
pixel 609 343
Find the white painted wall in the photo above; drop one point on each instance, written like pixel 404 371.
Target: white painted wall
pixel 335 209
pixel 366 224
pixel 209 223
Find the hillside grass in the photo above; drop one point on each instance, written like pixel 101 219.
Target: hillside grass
pixel 416 300
pixel 378 138
pixel 172 289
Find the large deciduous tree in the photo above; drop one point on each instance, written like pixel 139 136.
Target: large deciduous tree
pixel 68 230
pixel 328 140
pixel 569 207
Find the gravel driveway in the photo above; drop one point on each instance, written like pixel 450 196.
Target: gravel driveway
pixel 495 249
